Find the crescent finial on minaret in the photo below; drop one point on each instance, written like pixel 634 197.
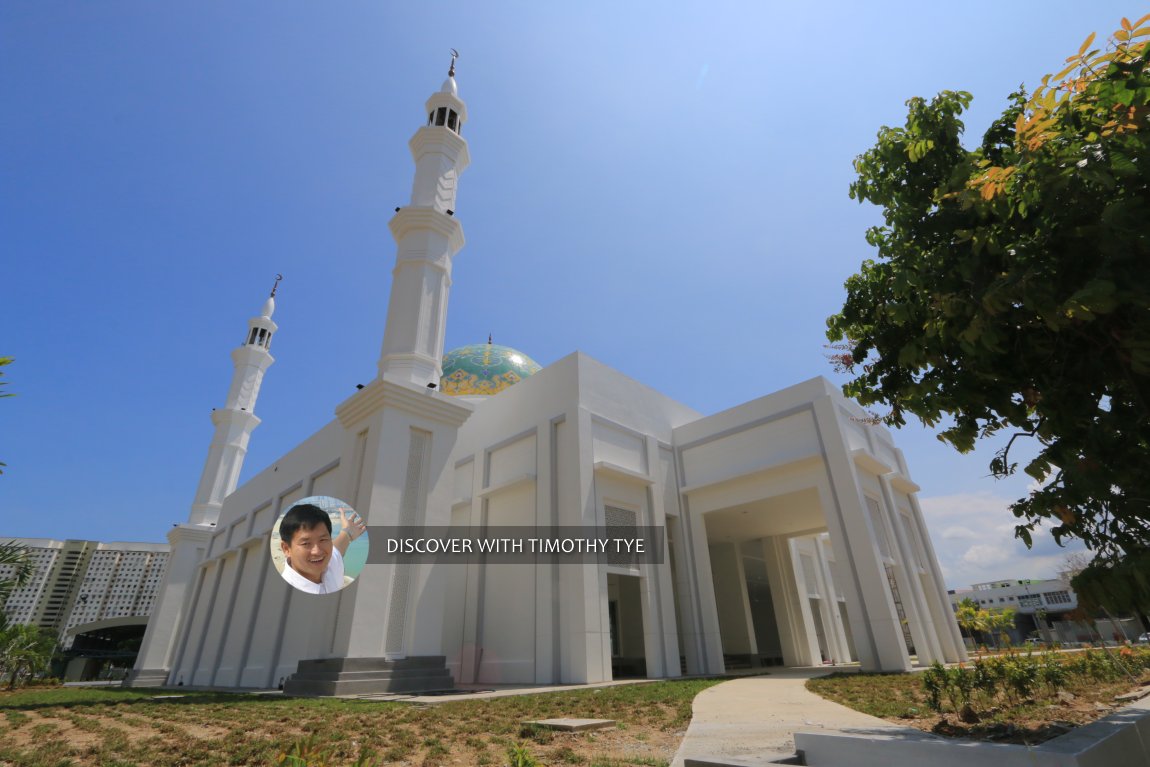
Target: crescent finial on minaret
pixel 454 56
pixel 275 287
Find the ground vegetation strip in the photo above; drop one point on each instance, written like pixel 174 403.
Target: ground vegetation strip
pixel 42 727
pixel 1016 697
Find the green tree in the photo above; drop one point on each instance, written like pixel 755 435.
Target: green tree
pixel 24 650
pixel 1116 587
pixel 970 616
pixel 1011 292
pixel 16 570
pixel 999 622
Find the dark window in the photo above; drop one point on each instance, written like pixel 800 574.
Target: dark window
pixel 441 115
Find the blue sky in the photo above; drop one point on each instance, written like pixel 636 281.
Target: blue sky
pixel 661 186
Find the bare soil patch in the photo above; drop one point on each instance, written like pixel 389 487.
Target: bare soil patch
pixel 134 728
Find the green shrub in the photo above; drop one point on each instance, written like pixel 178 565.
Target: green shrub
pixel 519 756
pixel 1016 677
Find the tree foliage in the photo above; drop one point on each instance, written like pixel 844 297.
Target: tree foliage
pixel 16 569
pixel 24 650
pixel 1011 290
pixel 1119 587
pixel 970 616
pixel 973 618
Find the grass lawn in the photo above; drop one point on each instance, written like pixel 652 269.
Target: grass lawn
pixel 53 727
pixel 1041 714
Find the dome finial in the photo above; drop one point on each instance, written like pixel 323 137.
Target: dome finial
pixel 489 339
pixel 275 287
pixel 454 56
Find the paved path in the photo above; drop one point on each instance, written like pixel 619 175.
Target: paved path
pixel 754 718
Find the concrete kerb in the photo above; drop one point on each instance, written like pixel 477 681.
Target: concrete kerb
pixel 769 720
pixel 1121 739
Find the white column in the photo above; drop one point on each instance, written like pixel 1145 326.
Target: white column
pixel 788 596
pixel 731 600
pixel 910 585
pixel 840 646
pixel 874 622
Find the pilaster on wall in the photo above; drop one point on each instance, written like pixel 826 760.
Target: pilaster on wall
pixel 590 599
pixel 875 624
pixel 189 546
pixel 707 636
pixel 658 581
pixel 407 479
pixel 546 577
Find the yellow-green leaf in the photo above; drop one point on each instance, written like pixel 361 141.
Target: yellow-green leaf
pixel 1086 44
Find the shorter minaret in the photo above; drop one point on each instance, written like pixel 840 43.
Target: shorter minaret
pixel 236 420
pixel 234 424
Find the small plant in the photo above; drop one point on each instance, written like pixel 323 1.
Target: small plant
pixel 519 756
pixel 1021 677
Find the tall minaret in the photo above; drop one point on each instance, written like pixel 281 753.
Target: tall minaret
pixel 428 236
pixel 236 419
pixel 189 541
pixel 399 436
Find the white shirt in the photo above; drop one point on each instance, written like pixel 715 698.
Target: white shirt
pixel 332 577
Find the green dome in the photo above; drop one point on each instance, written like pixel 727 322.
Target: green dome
pixel 483 369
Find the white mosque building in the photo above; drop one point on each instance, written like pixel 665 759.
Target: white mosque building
pixel 793 531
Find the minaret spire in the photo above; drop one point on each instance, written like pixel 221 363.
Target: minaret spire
pixel 427 235
pixel 236 420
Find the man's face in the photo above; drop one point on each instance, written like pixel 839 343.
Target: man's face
pixel 309 551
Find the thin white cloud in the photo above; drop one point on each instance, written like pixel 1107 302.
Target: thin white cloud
pixel 973 537
pixel 958 532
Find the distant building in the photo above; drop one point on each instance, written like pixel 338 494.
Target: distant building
pixel 1046 611
pixel 88 587
pixel 1053 596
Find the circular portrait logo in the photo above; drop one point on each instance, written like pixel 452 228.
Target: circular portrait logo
pixel 319 544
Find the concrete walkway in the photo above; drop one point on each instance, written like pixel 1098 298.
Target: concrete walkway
pixel 752 720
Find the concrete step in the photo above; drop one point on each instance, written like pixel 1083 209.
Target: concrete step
pixel 323 677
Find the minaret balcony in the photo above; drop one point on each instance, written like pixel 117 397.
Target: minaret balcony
pixel 412 220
